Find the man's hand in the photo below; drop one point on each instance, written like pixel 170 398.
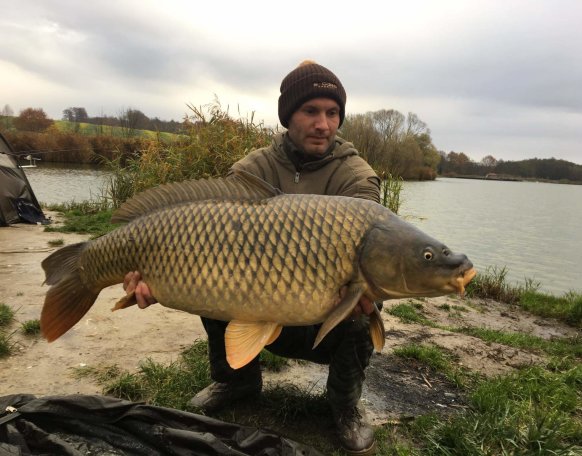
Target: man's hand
pixel 133 283
pixel 364 306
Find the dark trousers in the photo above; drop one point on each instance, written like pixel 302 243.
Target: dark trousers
pixel 347 350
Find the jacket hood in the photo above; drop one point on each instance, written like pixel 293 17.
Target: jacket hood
pixel 340 149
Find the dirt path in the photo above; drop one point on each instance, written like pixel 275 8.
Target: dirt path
pixel 393 387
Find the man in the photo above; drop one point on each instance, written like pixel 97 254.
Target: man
pixel 307 158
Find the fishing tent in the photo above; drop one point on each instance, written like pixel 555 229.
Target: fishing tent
pixel 17 200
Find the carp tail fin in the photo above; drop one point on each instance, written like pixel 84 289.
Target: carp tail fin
pixel 68 299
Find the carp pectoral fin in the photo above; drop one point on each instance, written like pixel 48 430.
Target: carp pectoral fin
pixel 127 301
pixel 244 340
pixel 377 331
pixel 340 313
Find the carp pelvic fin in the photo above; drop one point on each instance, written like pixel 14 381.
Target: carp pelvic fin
pixel 377 330
pixel 244 340
pixel 68 299
pixel 125 302
pixel 341 312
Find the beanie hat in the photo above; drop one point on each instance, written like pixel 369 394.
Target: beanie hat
pixel 309 80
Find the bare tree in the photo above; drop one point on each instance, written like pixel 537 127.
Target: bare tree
pixel 132 120
pixel 415 126
pixel 489 161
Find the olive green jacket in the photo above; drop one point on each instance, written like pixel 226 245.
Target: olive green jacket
pixel 340 172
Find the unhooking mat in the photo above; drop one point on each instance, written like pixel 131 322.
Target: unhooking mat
pixel 99 425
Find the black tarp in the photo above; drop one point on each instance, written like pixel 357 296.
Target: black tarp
pixel 100 425
pixel 17 200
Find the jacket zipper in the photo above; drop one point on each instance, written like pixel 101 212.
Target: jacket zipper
pixel 296 180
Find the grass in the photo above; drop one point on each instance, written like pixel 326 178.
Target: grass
pixel 6 318
pixel 492 284
pixel 5 344
pixel 31 327
pixel 86 218
pixel 56 242
pixel 567 307
pixel 436 359
pixel 450 308
pixel 166 386
pixel 555 347
pixel 408 313
pixel 272 362
pixel 391 191
pixel 6 315
pixel 532 411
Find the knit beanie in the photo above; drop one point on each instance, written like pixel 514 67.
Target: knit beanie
pixel 309 80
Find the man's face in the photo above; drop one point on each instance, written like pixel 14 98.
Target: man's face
pixel 313 126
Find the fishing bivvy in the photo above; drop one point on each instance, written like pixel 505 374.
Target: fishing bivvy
pixel 17 200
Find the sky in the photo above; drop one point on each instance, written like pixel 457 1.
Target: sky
pixel 492 77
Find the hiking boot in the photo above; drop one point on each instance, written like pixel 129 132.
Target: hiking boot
pixel 219 395
pixel 356 436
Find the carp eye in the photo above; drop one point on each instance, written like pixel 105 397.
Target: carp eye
pixel 428 255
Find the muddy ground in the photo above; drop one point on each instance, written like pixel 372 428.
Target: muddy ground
pixel 394 388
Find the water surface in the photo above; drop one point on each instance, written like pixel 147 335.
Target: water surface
pixel 60 183
pixel 534 229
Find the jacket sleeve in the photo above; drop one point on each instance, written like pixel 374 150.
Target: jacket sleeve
pixel 360 180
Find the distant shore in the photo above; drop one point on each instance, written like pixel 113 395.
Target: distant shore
pixel 511 179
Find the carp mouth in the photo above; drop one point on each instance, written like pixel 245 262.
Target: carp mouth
pixel 463 279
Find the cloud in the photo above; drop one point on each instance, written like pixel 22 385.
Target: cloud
pixel 486 76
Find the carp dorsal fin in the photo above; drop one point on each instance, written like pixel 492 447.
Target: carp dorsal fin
pixel 238 186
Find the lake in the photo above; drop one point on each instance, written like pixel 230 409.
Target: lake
pixel 534 229
pixel 60 183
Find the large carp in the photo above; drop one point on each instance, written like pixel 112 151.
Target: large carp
pixel 238 250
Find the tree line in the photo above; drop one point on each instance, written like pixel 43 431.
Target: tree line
pixel 129 120
pixel 391 142
pixel 459 164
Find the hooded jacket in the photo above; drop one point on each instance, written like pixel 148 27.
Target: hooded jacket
pixel 341 171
